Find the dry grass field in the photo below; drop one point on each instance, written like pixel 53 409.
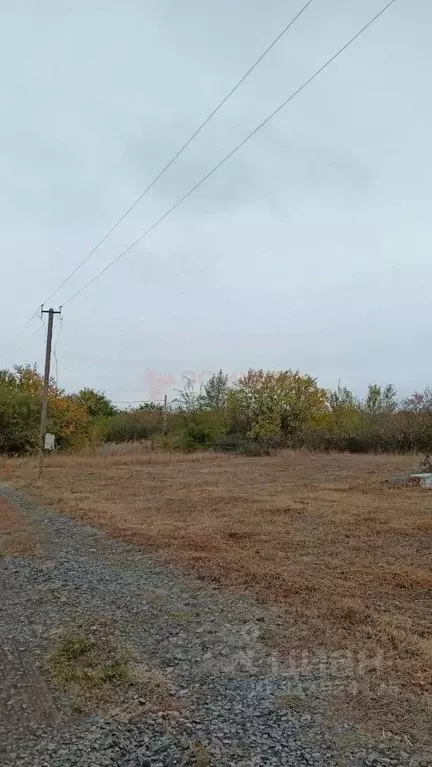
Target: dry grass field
pixel 344 557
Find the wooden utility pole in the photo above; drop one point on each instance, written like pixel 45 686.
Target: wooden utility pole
pixel 165 416
pixel 50 313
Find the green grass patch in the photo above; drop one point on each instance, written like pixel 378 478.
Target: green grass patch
pixel 87 663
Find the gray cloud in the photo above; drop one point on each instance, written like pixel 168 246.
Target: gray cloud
pixel 309 249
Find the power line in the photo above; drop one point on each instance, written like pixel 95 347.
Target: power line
pixel 30 338
pixel 181 150
pixel 233 151
pixel 17 335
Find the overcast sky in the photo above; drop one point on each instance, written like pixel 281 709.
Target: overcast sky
pixel 310 249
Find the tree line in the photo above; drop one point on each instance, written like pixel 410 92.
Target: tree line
pixel 262 411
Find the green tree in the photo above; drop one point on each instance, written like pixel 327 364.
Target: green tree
pixel 19 420
pixel 8 379
pixel 97 403
pixel 275 404
pixel 381 400
pixel 25 378
pixel 148 407
pixel 214 393
pixel 188 400
pixel 200 422
pixel 341 399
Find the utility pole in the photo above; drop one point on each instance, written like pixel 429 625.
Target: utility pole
pixel 50 313
pixel 165 416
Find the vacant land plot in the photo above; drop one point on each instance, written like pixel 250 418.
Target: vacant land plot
pixel 345 556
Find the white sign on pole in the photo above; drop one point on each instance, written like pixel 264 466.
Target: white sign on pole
pixel 49 441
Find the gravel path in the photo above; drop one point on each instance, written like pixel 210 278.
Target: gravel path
pixel 235 703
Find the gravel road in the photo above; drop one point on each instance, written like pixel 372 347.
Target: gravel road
pixel 236 704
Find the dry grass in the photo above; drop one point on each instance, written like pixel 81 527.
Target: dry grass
pixel 17 538
pixel 346 557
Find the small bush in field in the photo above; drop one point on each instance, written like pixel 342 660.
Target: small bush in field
pixel 137 425
pixel 200 430
pixel 236 443
pixel 230 443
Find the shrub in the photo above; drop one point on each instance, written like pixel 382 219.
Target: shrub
pixel 137 425
pixel 200 430
pixel 236 443
pixel 71 423
pixel 19 421
pixel 230 443
pixel 400 432
pixel 97 403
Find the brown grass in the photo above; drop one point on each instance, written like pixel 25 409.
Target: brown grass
pixel 17 538
pixel 344 556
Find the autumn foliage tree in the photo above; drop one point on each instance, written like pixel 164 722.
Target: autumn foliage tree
pixel 20 406
pixel 275 404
